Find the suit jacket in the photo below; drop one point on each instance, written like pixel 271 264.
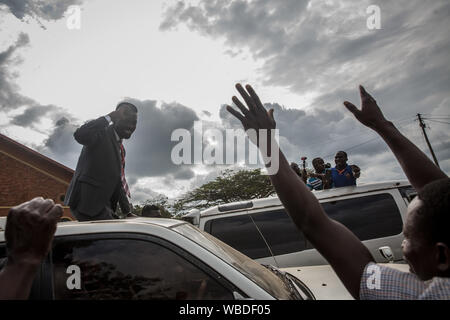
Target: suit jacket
pixel 97 179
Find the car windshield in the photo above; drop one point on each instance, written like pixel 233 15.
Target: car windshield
pixel 262 276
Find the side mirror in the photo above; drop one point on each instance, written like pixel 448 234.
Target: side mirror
pixel 387 253
pixel 192 217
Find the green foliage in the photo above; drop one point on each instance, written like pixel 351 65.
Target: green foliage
pixel 231 186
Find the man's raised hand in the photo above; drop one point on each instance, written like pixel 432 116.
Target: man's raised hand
pixel 254 116
pixel 370 114
pixel 116 115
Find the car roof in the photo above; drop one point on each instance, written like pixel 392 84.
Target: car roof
pixel 161 222
pixel 321 195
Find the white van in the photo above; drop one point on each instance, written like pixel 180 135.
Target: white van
pixel 262 230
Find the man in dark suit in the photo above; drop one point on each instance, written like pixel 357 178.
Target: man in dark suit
pixel 99 181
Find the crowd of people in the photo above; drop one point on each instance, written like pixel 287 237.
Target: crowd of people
pixel 97 187
pixel 325 177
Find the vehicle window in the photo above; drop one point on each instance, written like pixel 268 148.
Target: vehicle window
pixel 240 233
pixel 279 231
pixel 129 269
pixel 369 217
pixel 254 271
pixel 35 291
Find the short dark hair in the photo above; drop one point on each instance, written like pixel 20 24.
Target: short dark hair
pixel 345 153
pixel 124 103
pixel 434 214
pixel 316 159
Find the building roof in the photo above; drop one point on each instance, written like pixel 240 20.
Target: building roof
pixel 34 159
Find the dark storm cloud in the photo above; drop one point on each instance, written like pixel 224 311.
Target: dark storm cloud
pixel 35 113
pixel 30 115
pixel 10 98
pixel 325 48
pixel 44 9
pixel 185 174
pixel 60 144
pixel 319 47
pixel 141 194
pixel 313 133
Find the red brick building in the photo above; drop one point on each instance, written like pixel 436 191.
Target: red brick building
pixel 25 174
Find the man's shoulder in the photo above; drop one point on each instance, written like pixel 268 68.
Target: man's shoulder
pixel 436 288
pixel 107 132
pixel 380 281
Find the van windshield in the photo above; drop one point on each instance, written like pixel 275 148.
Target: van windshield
pixel 262 276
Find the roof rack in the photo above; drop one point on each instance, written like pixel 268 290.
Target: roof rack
pixel 235 206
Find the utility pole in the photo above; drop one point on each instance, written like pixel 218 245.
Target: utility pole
pixel 422 125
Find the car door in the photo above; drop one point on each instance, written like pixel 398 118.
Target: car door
pixel 239 231
pixel 376 218
pixel 280 233
pixel 131 266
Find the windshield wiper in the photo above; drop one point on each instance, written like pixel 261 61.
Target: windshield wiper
pixel 295 291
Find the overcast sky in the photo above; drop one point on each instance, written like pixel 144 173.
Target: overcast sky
pixel 179 61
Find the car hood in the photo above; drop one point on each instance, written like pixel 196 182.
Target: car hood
pixel 325 284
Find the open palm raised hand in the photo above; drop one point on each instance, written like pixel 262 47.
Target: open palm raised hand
pixel 254 116
pixel 370 114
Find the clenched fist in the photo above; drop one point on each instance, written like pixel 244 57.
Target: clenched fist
pixel 29 230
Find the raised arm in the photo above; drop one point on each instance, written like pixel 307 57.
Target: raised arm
pixel 343 250
pixel 419 169
pixel 89 132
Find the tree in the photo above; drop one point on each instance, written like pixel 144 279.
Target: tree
pixel 230 186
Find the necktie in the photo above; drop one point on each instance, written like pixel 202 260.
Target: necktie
pixel 122 176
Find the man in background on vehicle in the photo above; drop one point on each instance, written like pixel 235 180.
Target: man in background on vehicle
pixel 342 174
pixel 321 178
